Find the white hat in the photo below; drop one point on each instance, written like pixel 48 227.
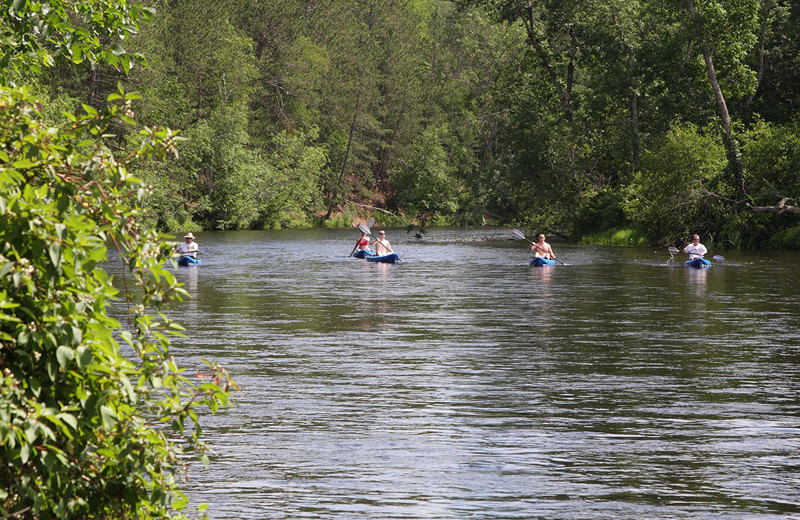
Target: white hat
pixel 188 235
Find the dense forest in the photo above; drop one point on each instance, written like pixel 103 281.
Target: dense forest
pixel 635 121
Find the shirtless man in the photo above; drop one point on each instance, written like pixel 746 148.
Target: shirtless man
pixel 382 246
pixel 542 248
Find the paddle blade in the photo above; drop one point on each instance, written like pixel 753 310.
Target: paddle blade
pixel 364 229
pixel 673 250
pixel 519 234
pixel 370 222
pixel 718 258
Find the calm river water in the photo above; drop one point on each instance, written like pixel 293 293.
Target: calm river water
pixel 461 383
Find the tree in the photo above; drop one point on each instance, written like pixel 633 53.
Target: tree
pixel 85 430
pixel 742 16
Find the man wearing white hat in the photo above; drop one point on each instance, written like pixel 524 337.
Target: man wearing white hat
pixel 188 250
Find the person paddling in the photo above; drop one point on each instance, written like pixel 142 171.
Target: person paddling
pixel 695 249
pixel 188 248
pixel 362 244
pixel 382 246
pixel 542 249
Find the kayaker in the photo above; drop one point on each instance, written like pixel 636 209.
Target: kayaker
pixel 542 249
pixel 382 246
pixel 363 243
pixel 188 248
pixel 695 249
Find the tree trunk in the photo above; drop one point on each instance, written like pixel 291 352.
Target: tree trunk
pixel 564 93
pixel 781 207
pixel 335 191
pixel 635 138
pixel 727 134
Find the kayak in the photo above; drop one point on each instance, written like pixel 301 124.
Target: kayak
pixel 186 261
pixel 386 259
pixel 697 263
pixel 538 261
pixel 363 253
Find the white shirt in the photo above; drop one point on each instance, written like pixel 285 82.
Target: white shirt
pixel 188 248
pixel 695 250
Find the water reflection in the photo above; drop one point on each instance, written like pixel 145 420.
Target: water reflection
pixel 464 384
pixel 697 281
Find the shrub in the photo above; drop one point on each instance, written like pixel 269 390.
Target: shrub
pixel 678 188
pixel 85 432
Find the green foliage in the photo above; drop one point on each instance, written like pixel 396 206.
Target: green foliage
pixel 95 415
pixel 771 155
pixel 615 237
pixel 85 432
pixel 534 108
pixel 36 34
pixel 787 238
pixel 677 192
pixel 267 192
pixel 424 185
pixel 600 212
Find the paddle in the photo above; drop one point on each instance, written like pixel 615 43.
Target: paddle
pixel 674 251
pixel 520 234
pixel 370 223
pixel 365 229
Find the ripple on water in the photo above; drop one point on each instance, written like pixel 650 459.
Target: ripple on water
pixel 462 383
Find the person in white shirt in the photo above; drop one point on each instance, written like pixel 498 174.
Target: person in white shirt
pixel 188 248
pixel 695 249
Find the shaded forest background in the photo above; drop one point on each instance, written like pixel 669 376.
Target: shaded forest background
pixel 619 121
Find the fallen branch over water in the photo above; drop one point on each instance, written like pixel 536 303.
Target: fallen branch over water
pixel 781 207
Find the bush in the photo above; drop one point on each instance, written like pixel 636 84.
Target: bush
pixel 424 185
pixel 600 212
pixel 679 186
pixel 85 432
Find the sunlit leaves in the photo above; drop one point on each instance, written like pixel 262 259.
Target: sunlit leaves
pixel 78 432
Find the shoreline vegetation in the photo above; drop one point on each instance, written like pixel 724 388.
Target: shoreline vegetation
pixel 575 117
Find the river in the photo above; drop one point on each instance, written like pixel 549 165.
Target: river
pixel 462 383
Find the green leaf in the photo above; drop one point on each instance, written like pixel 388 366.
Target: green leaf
pixel 24 453
pixel 108 416
pixel 55 253
pixel 85 357
pixel 35 386
pixel 77 53
pixel 77 335
pixel 60 231
pixel 64 356
pixel 22 164
pixel 69 419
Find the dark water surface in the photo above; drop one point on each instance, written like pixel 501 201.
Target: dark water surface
pixel 462 383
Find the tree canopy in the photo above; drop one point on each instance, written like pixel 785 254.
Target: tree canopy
pixel 304 113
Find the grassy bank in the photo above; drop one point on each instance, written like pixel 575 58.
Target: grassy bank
pixel 615 237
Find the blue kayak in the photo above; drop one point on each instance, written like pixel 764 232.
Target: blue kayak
pixel 386 259
pixel 538 261
pixel 363 253
pixel 698 263
pixel 186 261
